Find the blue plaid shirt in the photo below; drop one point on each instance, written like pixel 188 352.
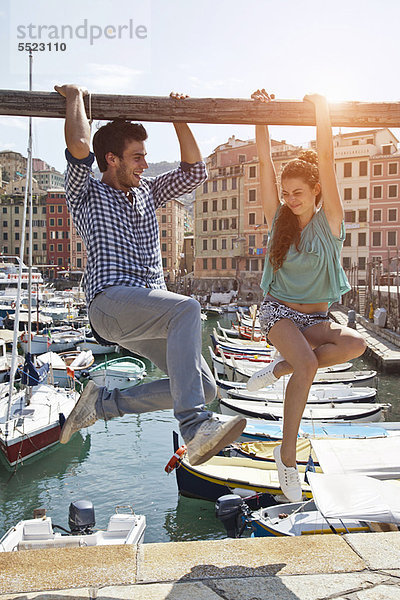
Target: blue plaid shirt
pixel 122 238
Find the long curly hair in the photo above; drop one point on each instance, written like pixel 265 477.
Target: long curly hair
pixel 286 228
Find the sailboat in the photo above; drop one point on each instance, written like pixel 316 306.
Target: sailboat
pixel 30 418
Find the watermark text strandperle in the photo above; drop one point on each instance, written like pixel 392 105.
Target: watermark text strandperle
pixel 85 31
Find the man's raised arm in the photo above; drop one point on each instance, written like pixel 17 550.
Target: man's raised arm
pixel 77 129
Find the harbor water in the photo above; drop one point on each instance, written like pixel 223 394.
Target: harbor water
pixel 122 462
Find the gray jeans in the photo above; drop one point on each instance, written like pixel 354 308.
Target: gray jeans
pixel 165 328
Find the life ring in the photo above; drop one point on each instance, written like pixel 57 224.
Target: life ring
pixel 171 465
pixel 24 337
pixel 13 305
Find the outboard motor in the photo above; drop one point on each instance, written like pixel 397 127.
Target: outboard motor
pixel 229 510
pixel 81 517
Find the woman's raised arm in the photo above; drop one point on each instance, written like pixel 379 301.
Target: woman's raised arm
pixel 332 202
pixel 269 186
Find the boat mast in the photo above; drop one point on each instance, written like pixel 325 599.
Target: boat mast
pixel 14 362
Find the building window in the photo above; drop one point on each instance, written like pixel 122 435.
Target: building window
pixel 393 168
pixel 163 247
pixel 252 218
pixel 347 240
pixel 377 170
pixel 59 222
pixel 163 218
pixel 346 262
pixel 16 211
pixel 392 214
pixel 225 224
pixel 350 216
pixel 392 191
pixel 252 172
pixel 205 187
pixel 215 186
pixel 224 185
pixel 43 246
pixel 347 193
pixel 16 222
pixel 242 158
pixel 234 223
pixel 223 244
pixel 205 265
pixel 376 238
pixel 164 262
pixel 214 225
pixel 60 262
pixel 204 225
pixel 362 239
pixel 5 236
pixel 377 191
pixel 43 210
pixel 4 210
pixel 252 240
pixel 59 248
pixel 205 206
pixel 234 203
pixel 252 196
pixel 362 216
pixel 234 183
pixel 233 261
pixel 254 264
pixel 213 263
pixel 361 263
pixel 347 169
pixel 214 244
pixel 79 263
pixel 5 223
pixel 52 209
pixel 363 168
pixel 386 148
pixel 163 233
pixel 59 208
pixel 377 215
pixel 224 203
pixel 392 238
pixel 362 193
pixel 215 205
pixel 223 263
pixel 204 244
pixel 16 235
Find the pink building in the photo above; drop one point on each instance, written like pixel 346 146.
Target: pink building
pixel 385 208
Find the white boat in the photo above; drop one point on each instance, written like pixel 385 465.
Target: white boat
pixel 66 366
pixel 60 309
pixel 319 394
pixel 30 419
pixel 29 426
pixel 341 504
pixel 57 339
pixel 39 533
pixel 273 411
pixel 90 343
pixel 118 373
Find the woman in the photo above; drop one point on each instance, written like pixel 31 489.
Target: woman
pixel 302 278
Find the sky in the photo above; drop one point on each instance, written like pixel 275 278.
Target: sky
pixel 344 49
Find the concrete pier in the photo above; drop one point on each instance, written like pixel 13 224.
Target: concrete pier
pixel 362 566
pixel 383 345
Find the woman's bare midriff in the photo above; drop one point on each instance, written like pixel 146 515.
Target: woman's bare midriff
pixel 304 308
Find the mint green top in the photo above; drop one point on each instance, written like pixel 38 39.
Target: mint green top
pixel 313 273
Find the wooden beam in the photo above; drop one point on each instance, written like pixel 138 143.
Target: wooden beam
pixel 202 110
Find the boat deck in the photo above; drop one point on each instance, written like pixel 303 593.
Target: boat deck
pixel 352 566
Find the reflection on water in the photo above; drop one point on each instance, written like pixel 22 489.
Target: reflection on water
pixel 122 462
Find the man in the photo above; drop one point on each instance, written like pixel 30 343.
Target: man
pixel 128 303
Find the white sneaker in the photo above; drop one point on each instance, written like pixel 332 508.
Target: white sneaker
pixel 83 414
pixel 265 376
pixel 288 478
pixel 211 437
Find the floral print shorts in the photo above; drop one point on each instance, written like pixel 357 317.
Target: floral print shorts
pixel 272 311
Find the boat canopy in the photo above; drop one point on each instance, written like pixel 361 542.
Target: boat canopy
pixel 375 457
pixel 356 497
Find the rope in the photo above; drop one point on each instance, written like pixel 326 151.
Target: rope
pixel 90 110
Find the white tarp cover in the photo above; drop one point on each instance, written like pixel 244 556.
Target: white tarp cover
pixel 375 457
pixel 52 358
pixel 356 497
